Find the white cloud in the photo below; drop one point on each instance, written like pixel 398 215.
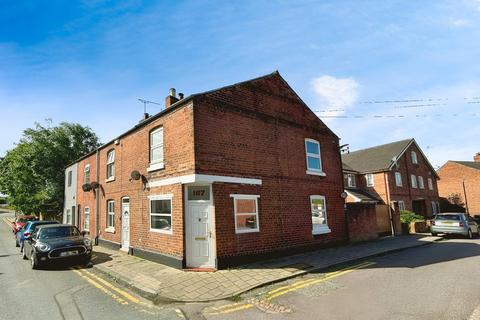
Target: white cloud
pixel 335 93
pixel 460 22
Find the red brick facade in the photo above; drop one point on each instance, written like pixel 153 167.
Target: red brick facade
pixel 253 130
pixel 463 180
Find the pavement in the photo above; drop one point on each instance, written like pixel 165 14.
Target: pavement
pixel 161 283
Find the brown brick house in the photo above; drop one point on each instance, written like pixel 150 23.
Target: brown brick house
pixel 226 176
pixel 397 174
pixel 462 178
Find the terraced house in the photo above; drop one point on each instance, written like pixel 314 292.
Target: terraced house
pixel 397 175
pixel 217 179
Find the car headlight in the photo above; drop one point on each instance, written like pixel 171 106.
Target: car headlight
pixel 87 242
pixel 42 246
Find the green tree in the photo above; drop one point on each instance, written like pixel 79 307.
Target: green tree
pixel 32 173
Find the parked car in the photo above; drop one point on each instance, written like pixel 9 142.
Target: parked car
pixel 57 242
pixel 20 222
pixel 454 223
pixel 27 230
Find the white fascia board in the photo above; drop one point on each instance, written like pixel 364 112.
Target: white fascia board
pixel 203 178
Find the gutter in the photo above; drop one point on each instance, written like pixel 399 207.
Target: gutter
pixel 97 200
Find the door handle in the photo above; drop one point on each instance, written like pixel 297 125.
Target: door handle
pixel 210 234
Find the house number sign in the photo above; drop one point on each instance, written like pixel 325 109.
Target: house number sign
pixel 199 193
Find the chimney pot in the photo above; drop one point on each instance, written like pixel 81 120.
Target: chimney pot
pixel 171 98
pixel 180 95
pixel 476 157
pixel 173 92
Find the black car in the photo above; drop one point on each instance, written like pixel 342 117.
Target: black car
pixel 57 242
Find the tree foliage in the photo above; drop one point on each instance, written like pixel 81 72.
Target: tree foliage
pixel 32 174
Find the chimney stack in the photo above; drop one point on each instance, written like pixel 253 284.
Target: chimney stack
pixel 171 98
pixel 476 157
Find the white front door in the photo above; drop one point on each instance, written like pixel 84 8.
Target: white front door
pixel 199 236
pixel 125 223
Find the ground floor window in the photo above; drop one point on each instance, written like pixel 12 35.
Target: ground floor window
pixel 86 219
pixel 68 218
pixel 161 213
pixel 110 214
pixel 319 214
pixel 401 205
pixel 435 207
pixel 245 208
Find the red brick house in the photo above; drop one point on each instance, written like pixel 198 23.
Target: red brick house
pixel 462 178
pixel 218 178
pixel 397 174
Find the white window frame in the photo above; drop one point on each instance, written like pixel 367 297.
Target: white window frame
pixel 69 178
pixel 430 183
pixel 86 220
pixel 111 163
pixel 316 227
pixel 421 182
pixel 413 181
pixel 401 205
pixel 68 219
pixel 414 157
pixel 235 214
pixel 86 170
pixel 398 179
pixel 157 164
pixel 370 180
pixel 314 171
pixel 110 213
pixel 351 180
pixel 434 207
pixel 168 197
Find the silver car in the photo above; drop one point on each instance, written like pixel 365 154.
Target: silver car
pixel 454 223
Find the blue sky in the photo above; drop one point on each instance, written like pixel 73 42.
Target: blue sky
pixel 89 61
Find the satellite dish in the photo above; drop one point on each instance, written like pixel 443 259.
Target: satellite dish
pixel 135 175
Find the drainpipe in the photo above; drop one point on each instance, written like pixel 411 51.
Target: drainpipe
pixel 97 200
pixel 465 195
pixel 387 192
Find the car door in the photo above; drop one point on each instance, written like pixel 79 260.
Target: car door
pixel 472 224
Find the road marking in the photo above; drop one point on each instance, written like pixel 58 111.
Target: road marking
pixel 101 288
pixel 286 289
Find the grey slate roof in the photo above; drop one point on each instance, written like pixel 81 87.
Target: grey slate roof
pixel 470 164
pixel 363 195
pixel 375 159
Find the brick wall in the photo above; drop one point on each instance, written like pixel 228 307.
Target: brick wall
pixel 362 221
pixel 452 176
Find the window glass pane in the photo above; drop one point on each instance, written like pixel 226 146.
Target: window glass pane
pixel 111 220
pixel 246 222
pixel 111 156
pixel 318 211
pixel 246 206
pixel 157 138
pixel 157 154
pixel 199 193
pixel 161 222
pixel 312 147
pixel 110 170
pixel 313 163
pixel 318 204
pixel 161 206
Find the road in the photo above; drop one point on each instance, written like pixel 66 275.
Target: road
pixel 437 281
pixel 63 293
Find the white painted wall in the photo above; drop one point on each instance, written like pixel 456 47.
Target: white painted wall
pixel 70 195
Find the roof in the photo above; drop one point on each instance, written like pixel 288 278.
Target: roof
pixel 362 195
pixel 375 159
pixel 184 102
pixel 470 164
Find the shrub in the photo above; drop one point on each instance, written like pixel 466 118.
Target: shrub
pixel 409 217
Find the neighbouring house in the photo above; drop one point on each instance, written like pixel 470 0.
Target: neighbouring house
pixel 460 183
pixel 396 176
pixel 219 178
pixel 70 201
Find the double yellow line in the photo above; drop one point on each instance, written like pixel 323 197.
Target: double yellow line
pixel 286 289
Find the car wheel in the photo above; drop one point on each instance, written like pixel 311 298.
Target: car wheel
pixel 16 243
pixel 470 234
pixel 434 234
pixel 24 254
pixel 33 261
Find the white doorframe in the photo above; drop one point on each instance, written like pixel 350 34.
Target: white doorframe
pixel 188 228
pixel 125 230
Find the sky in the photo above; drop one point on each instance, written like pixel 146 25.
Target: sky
pixel 374 71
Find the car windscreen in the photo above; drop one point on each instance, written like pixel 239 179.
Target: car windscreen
pixel 455 217
pixel 60 232
pixel 22 220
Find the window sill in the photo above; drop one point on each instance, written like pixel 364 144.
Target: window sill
pixel 110 179
pixel 161 231
pixel 155 166
pixel 110 230
pixel 323 229
pixel 246 231
pixel 316 173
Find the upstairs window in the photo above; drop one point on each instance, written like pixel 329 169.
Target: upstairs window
pixel 110 214
pixel 351 180
pixel 111 165
pixel 430 183
pixel 314 161
pixel 414 180
pixel 414 157
pixel 69 178
pixel 421 184
pixel 156 149
pixel 370 181
pixel 398 179
pixel 86 174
